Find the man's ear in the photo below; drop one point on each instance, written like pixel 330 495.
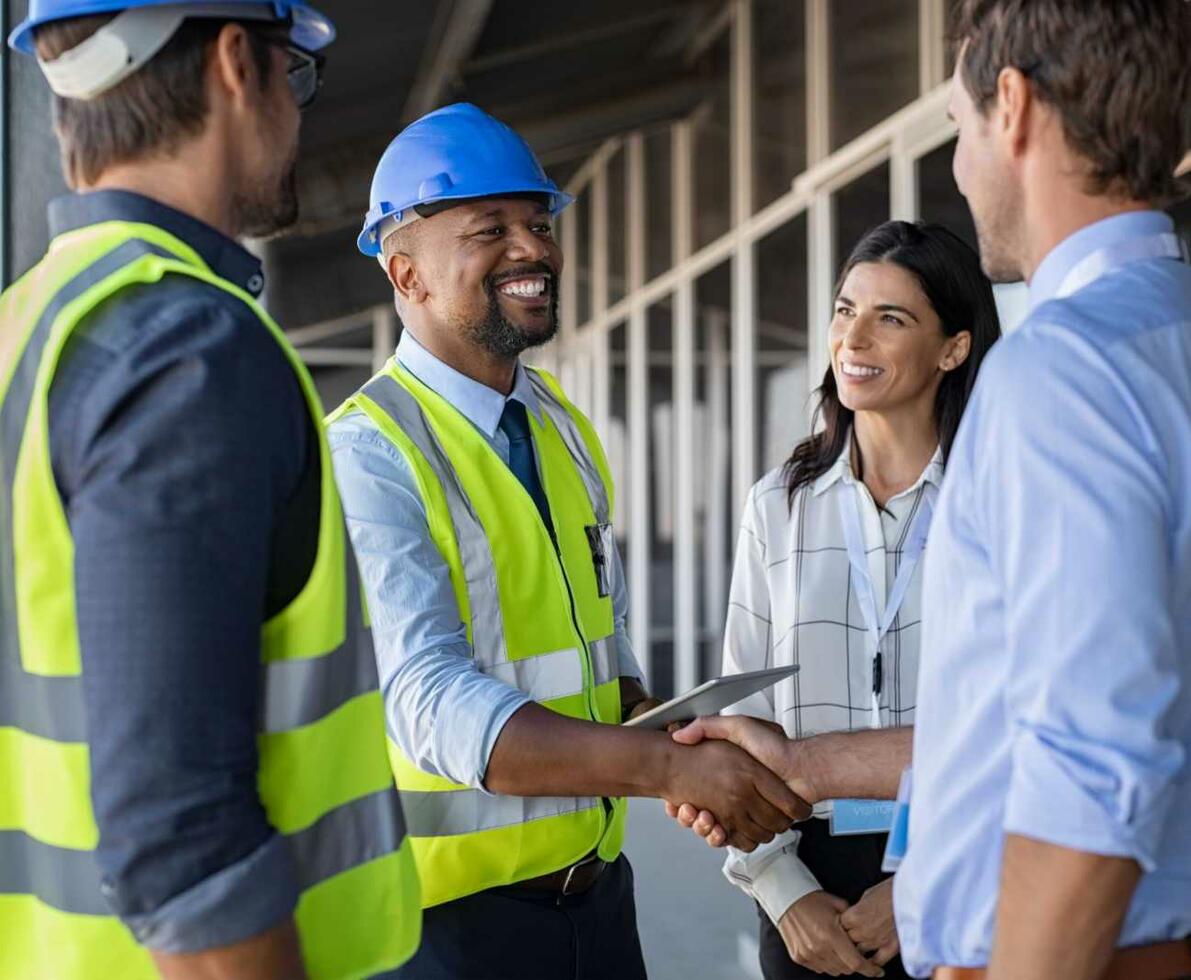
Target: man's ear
pixel 233 68
pixel 407 282
pixel 1014 107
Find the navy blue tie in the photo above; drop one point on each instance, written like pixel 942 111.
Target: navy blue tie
pixel 514 423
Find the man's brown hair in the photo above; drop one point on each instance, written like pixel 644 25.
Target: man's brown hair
pixel 1118 73
pixel 152 111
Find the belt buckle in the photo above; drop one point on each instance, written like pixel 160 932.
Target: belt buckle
pixel 566 883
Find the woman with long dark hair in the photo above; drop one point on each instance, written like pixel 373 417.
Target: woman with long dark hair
pixel 828 576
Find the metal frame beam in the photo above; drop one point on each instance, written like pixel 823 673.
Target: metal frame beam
pixel 558 43
pixel 682 216
pixel 744 272
pixel 457 29
pixel 640 536
pixel 598 259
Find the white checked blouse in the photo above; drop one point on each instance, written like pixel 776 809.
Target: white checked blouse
pixel 793 601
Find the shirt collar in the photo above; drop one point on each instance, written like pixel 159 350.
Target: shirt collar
pixel 481 405
pixel 224 256
pixel 1064 257
pixel 841 470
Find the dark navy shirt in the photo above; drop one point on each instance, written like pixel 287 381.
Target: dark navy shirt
pixel 187 464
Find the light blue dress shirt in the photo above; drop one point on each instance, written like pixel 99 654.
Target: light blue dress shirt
pixel 1055 683
pixel 443 713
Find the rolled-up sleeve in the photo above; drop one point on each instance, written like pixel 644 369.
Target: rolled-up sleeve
pixel 1079 512
pixel 443 713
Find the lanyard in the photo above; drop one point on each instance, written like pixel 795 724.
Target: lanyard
pixel 1087 270
pixel 849 507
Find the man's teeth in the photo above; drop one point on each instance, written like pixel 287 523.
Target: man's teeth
pixel 524 287
pixel 860 371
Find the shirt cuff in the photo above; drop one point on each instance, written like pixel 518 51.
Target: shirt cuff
pixel 243 900
pixel 626 660
pixel 1072 803
pixel 773 874
pixel 496 723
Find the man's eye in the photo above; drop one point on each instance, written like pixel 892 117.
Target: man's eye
pixel 890 318
pixel 493 231
pixel 843 311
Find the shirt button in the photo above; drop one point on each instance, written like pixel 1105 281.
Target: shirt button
pixel 256 283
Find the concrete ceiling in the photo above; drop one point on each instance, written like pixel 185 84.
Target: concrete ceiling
pixel 566 75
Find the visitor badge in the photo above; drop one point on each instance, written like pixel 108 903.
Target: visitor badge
pixel 861 816
pixel 899 833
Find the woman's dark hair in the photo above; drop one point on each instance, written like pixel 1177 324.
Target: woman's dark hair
pixel 948 270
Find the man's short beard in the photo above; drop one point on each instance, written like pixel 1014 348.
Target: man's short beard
pixel 269 210
pixel 502 338
pixel 996 258
pixel 999 233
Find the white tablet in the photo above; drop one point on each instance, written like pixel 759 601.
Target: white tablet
pixel 711 697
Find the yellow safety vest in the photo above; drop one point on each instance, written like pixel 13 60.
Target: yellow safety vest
pixel 324 776
pixel 535 617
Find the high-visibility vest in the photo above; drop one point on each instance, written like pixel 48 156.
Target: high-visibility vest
pixel 535 617
pixel 324 776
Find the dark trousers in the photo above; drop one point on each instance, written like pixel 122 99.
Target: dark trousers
pixel 521 934
pixel 845 866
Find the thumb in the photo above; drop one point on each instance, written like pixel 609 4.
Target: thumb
pixel 837 903
pixel 850 918
pixel 695 732
pixel 781 796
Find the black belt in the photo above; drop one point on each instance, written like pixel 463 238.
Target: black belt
pixel 574 879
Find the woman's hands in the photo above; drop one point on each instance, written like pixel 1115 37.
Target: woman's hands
pixel 816 938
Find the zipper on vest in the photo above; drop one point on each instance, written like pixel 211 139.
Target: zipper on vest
pixel 588 667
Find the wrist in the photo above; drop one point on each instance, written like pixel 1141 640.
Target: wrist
pixel 664 770
pixel 810 768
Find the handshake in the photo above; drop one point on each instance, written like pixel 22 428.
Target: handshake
pixel 743 784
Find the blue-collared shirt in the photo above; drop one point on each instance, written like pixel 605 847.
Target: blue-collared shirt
pixel 187 464
pixel 443 713
pixel 1055 684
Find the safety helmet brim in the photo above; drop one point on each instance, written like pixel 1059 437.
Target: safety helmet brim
pixel 369 241
pixel 309 28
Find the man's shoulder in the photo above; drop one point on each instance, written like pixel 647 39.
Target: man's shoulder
pixel 198 313
pixel 179 344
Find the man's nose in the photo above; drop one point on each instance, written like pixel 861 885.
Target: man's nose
pixel 525 246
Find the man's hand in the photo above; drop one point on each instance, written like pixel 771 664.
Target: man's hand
pixel 869 923
pixel 640 707
pixel 750 802
pixel 815 937
pixel 765 741
pixel 634 699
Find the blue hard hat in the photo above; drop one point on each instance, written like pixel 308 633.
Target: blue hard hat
pixel 309 29
pixel 452 154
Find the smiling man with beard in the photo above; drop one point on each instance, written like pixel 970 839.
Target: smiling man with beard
pixel 481 507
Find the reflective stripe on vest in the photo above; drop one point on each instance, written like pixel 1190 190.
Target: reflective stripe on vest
pixel 323 774
pixel 474 549
pixel 467 839
pixel 565 424
pixel 69 880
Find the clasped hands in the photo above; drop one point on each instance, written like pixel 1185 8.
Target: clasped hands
pixel 766 742
pixel 821 931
